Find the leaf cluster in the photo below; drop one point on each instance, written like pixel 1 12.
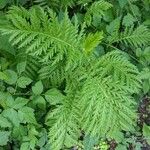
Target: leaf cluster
pixel 72 70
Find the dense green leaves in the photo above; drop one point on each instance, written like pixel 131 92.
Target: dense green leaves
pixel 11 77
pixel 4 122
pixel 74 74
pixel 3 76
pixel 27 115
pixel 109 103
pixel 37 88
pixel 146 132
pixel 48 40
pixel 4 137
pixel 138 37
pixel 23 81
pixel 21 67
pixel 53 96
pixel 97 9
pixel 3 3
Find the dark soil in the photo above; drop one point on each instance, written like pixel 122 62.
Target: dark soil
pixel 144 117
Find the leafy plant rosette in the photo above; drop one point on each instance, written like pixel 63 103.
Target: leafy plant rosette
pixel 72 74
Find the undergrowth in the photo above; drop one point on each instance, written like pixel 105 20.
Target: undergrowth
pixel 74 74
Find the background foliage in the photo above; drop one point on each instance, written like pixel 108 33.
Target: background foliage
pixel 74 74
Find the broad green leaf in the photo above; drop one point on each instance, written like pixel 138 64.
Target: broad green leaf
pixel 145 73
pixel 25 146
pixel 146 53
pixel 4 123
pixel 27 114
pixel 146 86
pixel 40 102
pixel 146 132
pixel 9 100
pixel 11 89
pixel 47 147
pixel 21 67
pixel 11 77
pixel 138 52
pixel 54 96
pixel 23 81
pixel 113 26
pixel 96 21
pixel 4 137
pixel 3 97
pixel 19 132
pixel 33 141
pixel 43 138
pixel 99 51
pixel 3 76
pixel 31 137
pixel 20 102
pixel 89 142
pixel 146 22
pixel 128 20
pixel 12 115
pixel 122 3
pixel 37 88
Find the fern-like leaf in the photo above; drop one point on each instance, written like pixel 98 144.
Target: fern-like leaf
pixel 120 69
pixel 54 73
pixel 32 65
pixel 105 97
pixel 55 4
pixel 135 37
pixel 44 37
pixel 91 41
pixel 106 105
pixel 63 122
pixel 97 9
